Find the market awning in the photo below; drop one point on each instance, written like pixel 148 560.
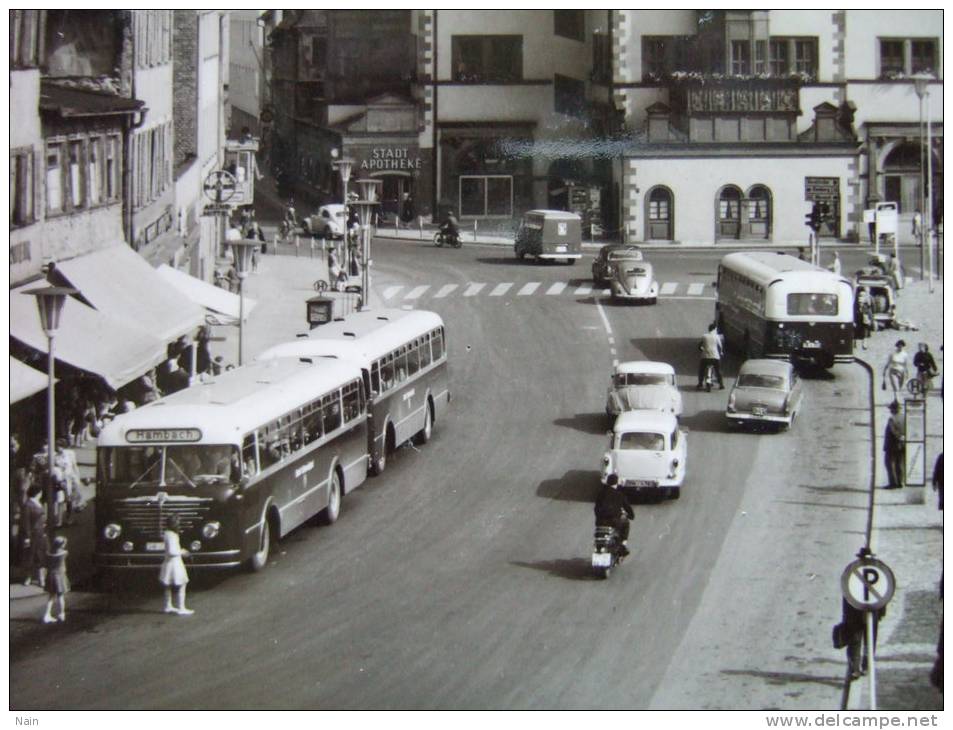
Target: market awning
pixel 121 284
pixel 223 305
pixel 88 339
pixel 25 381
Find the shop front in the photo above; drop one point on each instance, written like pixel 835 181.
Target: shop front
pixel 401 166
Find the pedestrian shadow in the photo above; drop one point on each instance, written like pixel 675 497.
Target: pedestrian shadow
pixel 785 678
pixel 821 504
pixel 576 485
pixel 502 261
pixel 570 569
pixel 593 423
pixel 814 372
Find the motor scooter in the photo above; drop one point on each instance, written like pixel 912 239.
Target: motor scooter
pixel 607 550
pixel 442 237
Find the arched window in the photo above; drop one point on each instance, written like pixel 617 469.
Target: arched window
pixel 729 212
pixel 660 214
pixel 759 211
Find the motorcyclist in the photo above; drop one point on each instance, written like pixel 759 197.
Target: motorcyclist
pixel 450 228
pixel 712 347
pixel 613 510
pixel 290 222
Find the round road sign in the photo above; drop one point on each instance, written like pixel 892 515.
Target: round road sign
pixel 868 584
pixel 219 186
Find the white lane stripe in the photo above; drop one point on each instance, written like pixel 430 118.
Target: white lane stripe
pixel 583 290
pixel 391 291
pixel 696 288
pixel 602 313
pixel 473 289
pixel 556 288
pixel 444 290
pixel 528 289
pixel 500 289
pixel 668 287
pixel 416 292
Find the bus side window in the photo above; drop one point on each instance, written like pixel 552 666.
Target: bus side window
pixel 425 350
pixel 352 402
pixel 250 455
pixel 376 377
pixel 401 364
pixel 413 358
pixel 438 344
pixel 387 372
pixel 295 435
pixel 331 409
pixel 311 422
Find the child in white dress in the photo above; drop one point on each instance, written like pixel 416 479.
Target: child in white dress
pixel 172 574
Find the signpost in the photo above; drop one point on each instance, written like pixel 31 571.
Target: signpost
pixel 915 437
pixel 868 585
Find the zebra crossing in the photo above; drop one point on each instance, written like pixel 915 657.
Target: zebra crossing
pixel 509 289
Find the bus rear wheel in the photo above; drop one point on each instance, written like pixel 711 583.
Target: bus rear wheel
pixel 260 558
pixel 424 434
pixel 331 513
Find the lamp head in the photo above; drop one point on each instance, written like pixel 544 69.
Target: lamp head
pixel 50 301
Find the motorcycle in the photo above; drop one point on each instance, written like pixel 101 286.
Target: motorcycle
pixel 607 551
pixel 446 237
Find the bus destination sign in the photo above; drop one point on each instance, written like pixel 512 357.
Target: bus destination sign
pixel 163 435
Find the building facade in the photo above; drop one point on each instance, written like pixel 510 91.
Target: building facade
pixel 246 89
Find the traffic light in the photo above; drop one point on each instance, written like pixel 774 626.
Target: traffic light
pixel 813 219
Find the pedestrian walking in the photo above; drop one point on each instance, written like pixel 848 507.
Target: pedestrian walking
pixel 172 574
pixel 34 542
pixel 67 467
pixel 863 316
pixel 917 224
pixel 926 366
pixel 897 368
pixel 835 263
pixel 896 272
pixel 894 448
pixel 57 582
pixel 407 210
pixel 711 346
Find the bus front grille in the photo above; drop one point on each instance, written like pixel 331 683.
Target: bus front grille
pixel 147 519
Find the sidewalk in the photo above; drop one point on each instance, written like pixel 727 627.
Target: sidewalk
pixel 908 529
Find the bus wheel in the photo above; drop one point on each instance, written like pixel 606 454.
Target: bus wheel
pixel 260 558
pixel 330 514
pixel 424 434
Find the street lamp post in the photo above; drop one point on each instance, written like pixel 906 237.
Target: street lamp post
pixel 366 206
pixel 49 302
pixel 242 251
pixel 921 86
pixel 344 167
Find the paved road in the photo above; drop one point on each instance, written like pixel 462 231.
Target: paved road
pixel 460 579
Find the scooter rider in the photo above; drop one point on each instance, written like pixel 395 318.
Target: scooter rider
pixel 712 347
pixel 449 227
pixel 613 510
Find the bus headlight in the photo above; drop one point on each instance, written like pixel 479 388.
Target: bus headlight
pixel 210 530
pixel 195 546
pixel 127 546
pixel 112 531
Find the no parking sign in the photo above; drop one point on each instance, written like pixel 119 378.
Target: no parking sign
pixel 868 584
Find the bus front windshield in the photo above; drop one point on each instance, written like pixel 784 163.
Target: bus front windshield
pixel 192 466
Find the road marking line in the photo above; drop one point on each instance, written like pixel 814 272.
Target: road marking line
pixel 696 288
pixel 696 299
pixel 668 287
pixel 556 288
pixel 500 289
pixel 611 340
pixel 416 292
pixel 583 290
pixel 391 291
pixel 605 320
pixel 444 290
pixel 528 289
pixel 473 289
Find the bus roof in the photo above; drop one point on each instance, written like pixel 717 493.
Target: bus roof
pixel 362 336
pixel 237 401
pixel 763 267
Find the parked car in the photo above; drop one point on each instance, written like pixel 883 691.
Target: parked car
pixel 549 235
pixel 766 391
pixel 643 384
pixel 329 222
pixel 648 452
pixel 633 281
pixel 602 265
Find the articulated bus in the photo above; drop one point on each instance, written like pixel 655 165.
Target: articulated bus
pixel 403 354
pixel 242 460
pixel 775 305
